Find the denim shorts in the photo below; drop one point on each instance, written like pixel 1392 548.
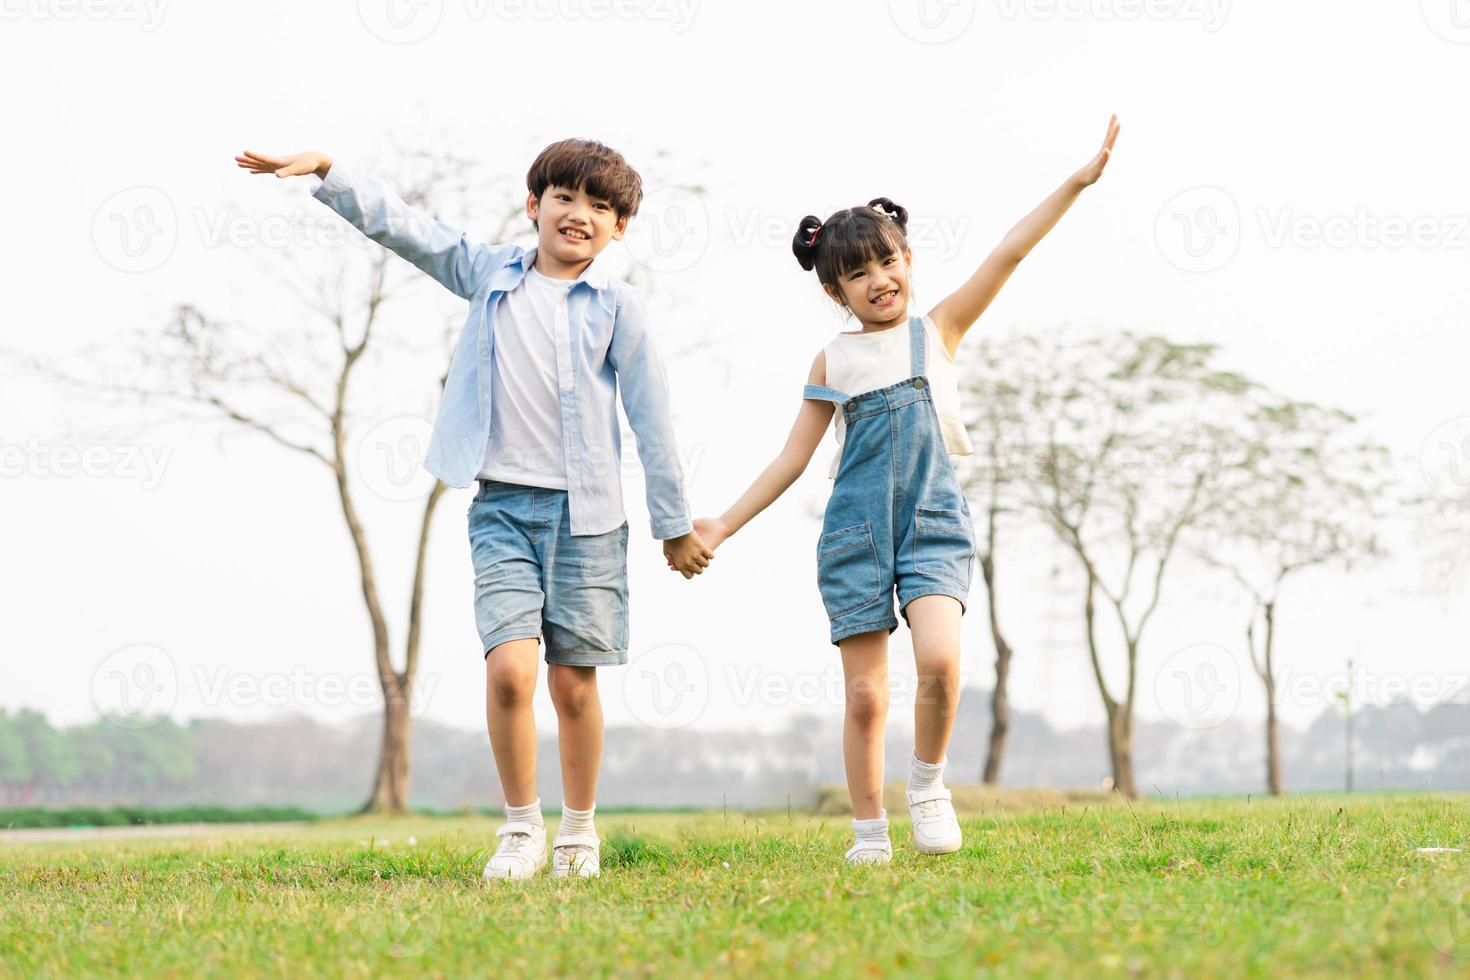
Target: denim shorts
pixel 533 578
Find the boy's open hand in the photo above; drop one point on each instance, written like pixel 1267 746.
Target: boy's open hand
pixel 1089 174
pixel 310 162
pixel 687 555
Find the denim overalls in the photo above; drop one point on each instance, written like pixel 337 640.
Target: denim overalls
pixel 897 518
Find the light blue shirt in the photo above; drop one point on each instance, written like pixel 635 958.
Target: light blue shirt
pixel 603 350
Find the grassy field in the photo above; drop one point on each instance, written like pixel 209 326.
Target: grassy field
pixel 1308 886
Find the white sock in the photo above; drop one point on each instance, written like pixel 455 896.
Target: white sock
pixel 874 830
pixel 577 823
pixel 925 775
pixel 530 813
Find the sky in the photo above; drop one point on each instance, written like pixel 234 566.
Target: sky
pixel 1288 184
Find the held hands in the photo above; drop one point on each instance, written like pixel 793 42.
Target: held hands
pixel 687 554
pixel 1089 174
pixel 706 537
pixel 712 531
pixel 310 162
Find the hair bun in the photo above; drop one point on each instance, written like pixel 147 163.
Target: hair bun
pixel 897 212
pixel 804 242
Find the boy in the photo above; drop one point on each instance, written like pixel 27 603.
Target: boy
pixel 528 410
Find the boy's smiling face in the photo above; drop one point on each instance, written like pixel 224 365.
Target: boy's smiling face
pixel 573 227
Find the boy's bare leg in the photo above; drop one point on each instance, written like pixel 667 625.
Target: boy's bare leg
pixel 579 732
pixel 510 683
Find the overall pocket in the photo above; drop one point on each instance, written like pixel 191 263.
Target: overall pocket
pixel 944 544
pixel 847 570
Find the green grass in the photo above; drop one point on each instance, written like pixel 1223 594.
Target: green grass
pixel 120 816
pixel 1316 886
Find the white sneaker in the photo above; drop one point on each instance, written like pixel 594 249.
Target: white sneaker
pixel 936 828
pixel 522 852
pixel 576 856
pixel 870 852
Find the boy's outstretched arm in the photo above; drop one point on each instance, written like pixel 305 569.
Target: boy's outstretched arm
pixel 444 252
pixel 957 312
pixel 806 434
pixel 644 388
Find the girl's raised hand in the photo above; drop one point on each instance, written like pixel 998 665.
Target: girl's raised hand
pixel 310 162
pixel 1089 174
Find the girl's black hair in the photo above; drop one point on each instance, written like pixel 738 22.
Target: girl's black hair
pixel 850 239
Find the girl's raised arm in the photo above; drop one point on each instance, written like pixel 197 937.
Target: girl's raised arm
pixel 806 434
pixel 958 311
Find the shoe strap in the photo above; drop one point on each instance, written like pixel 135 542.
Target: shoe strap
pixel 882 847
pixel 577 840
pixel 932 793
pixel 517 827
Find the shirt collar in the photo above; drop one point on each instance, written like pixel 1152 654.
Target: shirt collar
pixel 595 275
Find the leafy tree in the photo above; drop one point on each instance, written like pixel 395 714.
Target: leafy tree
pixel 1129 437
pixel 53 759
pixel 15 764
pixel 1309 494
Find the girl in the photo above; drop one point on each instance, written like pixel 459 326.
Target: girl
pixel 897 520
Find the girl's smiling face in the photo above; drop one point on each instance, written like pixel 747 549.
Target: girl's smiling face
pixel 877 292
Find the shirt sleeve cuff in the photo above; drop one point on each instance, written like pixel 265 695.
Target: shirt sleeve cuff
pixel 336 181
pixel 673 529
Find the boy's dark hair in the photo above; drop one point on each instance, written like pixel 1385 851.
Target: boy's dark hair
pixel 850 239
pixel 587 165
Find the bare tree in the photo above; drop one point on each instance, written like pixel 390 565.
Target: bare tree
pixel 1129 437
pixel 295 386
pixel 1307 495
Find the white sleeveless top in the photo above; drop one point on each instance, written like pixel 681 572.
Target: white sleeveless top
pixel 862 362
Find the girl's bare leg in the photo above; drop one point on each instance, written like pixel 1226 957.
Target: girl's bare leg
pixel 865 668
pixel 934 621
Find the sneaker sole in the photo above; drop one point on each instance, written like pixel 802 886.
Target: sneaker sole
pixel 938 848
pixel 498 877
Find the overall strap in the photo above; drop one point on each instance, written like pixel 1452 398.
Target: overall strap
pixel 916 346
pixel 822 393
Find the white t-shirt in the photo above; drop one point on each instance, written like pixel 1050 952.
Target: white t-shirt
pixel 525 406
pixel 863 362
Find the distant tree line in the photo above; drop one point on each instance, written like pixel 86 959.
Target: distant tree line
pixel 299 761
